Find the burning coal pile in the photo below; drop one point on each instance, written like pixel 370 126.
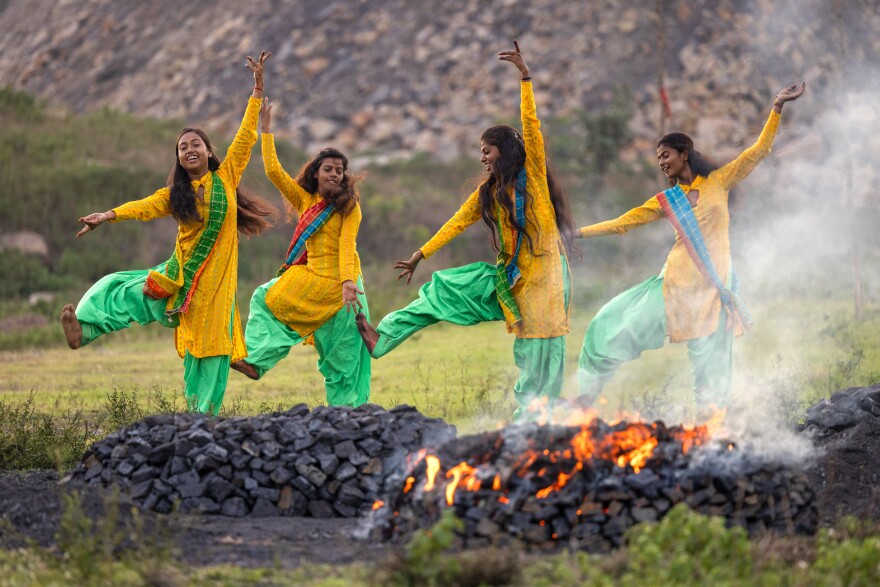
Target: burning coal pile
pixel 583 486
pixel 328 462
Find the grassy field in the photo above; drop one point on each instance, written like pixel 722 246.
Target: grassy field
pixel 803 349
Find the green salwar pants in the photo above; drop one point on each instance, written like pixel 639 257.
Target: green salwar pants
pixel 343 359
pixel 635 321
pixel 117 300
pixel 466 296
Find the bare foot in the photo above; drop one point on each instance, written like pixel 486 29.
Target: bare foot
pixel 367 332
pixel 72 328
pixel 243 366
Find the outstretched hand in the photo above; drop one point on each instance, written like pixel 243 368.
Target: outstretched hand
pixel 257 67
pixel 266 116
pixel 516 58
pixel 409 267
pixel 349 296
pixel 93 221
pixel 788 94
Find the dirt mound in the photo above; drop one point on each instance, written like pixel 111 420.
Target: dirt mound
pixel 846 476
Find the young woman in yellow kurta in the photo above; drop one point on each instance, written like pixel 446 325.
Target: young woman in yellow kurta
pixel 527 215
pixel 194 291
pixel 316 297
pixel 683 302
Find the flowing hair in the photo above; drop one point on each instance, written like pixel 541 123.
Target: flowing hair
pixel 505 169
pixel 254 213
pixel 347 197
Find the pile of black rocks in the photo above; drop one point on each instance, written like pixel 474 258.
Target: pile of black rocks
pixel 844 409
pixel 327 462
pixel 547 486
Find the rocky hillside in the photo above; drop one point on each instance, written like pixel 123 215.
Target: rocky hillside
pixel 397 76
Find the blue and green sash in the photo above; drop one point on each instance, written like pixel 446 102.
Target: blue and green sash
pixel 680 213
pixel 507 274
pixel 309 223
pixel 180 277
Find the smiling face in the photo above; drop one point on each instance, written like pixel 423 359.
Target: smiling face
pixel 330 174
pixel 672 162
pixel 193 154
pixel 489 154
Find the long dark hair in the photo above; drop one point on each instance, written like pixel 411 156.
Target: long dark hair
pixel 504 172
pixel 348 195
pixel 254 214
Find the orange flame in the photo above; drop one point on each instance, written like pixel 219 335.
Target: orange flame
pixel 378 504
pixel 409 484
pixel 460 470
pixel 433 464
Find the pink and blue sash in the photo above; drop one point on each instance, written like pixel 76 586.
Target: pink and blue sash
pixel 680 213
pixel 309 223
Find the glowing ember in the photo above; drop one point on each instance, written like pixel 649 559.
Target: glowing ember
pixel 378 504
pixel 409 483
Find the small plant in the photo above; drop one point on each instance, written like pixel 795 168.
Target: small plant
pixel 30 440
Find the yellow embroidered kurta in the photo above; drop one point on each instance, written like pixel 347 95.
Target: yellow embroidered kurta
pixel 540 291
pixel 306 296
pixel 693 303
pixel 204 327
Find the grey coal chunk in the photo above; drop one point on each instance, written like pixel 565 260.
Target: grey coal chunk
pixel 320 509
pixel 344 510
pixel 200 437
pixel 163 434
pixel 140 490
pixel 281 475
pixel 239 460
pixel 264 508
pixel 160 454
pixel 646 514
pixel 350 496
pixel 270 449
pixel 143 473
pixel 191 490
pixel 345 472
pixel 199 504
pixel 303 485
pixel 315 476
pixel 266 493
pixel 345 450
pixel 328 463
pixel 235 507
pixel 187 478
pixel 300 444
pixel 370 446
pixel 219 489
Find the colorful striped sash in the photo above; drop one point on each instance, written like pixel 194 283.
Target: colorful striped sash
pixel 680 213
pixel 507 274
pixel 181 277
pixel 309 223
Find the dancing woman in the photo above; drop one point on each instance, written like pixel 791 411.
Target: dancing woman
pixel 319 290
pixel 194 291
pixel 694 298
pixel 528 217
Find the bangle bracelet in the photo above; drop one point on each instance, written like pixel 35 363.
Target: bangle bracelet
pixel 527 79
pixel 258 88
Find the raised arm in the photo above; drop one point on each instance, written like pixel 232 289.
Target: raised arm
pixel 648 212
pixel 239 153
pixel 738 169
pixel 466 215
pixel 534 141
pixel 291 190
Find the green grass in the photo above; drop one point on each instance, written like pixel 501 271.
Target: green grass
pixel 464 374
